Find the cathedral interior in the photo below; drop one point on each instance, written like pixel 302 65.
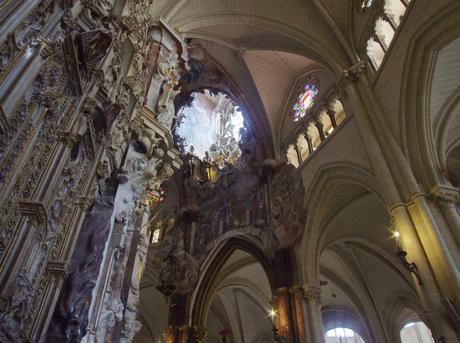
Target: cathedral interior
pixel 229 171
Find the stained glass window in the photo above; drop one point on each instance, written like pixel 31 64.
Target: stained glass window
pixel 305 99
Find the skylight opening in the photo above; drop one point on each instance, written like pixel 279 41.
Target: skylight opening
pixel 210 127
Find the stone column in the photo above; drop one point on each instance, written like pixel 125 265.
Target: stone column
pixel 438 243
pixel 287 299
pixel 288 321
pixel 430 286
pixel 133 274
pixel 447 198
pixel 331 113
pixel 178 330
pixel 319 126
pixel 312 309
pixel 310 143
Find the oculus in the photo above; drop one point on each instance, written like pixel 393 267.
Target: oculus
pixel 209 127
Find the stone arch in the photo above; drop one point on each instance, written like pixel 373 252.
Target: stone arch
pixel 343 317
pixel 275 27
pixel 380 253
pixel 419 138
pixel 447 136
pixel 359 290
pixel 324 183
pixel 211 267
pixel 397 310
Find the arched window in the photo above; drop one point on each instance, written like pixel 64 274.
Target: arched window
pixel 365 4
pixel 342 335
pixel 338 111
pixel 395 10
pixel 416 332
pixel 326 121
pixel 302 146
pixel 292 156
pixel 314 135
pixel 375 52
pixel 155 236
pixel 384 32
pixel 305 99
pixel 316 130
pixel 387 18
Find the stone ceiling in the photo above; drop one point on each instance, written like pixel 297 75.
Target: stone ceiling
pixel 264 45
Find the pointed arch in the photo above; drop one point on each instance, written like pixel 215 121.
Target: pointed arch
pixel 324 182
pixel 418 129
pixel 211 267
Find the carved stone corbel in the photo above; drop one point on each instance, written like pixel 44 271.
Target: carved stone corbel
pixel 354 72
pixel 446 194
pixel 311 293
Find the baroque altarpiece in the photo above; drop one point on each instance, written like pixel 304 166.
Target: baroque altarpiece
pixel 89 94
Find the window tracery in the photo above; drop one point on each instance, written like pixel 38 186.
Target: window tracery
pixel 342 335
pixel 305 99
pixel 416 332
pixel 315 131
pixel 386 21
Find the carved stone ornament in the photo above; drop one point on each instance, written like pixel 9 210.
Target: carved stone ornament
pixel 15 310
pixel 354 72
pixel 199 333
pixel 58 267
pixel 93 46
pixel 286 206
pixel 71 59
pixel 186 267
pixel 100 8
pixel 71 315
pixel 446 195
pixel 34 210
pixel 311 292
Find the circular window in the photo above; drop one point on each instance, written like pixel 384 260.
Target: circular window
pixel 305 100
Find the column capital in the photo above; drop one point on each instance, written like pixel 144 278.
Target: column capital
pixel 445 194
pixel 199 333
pixel 311 292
